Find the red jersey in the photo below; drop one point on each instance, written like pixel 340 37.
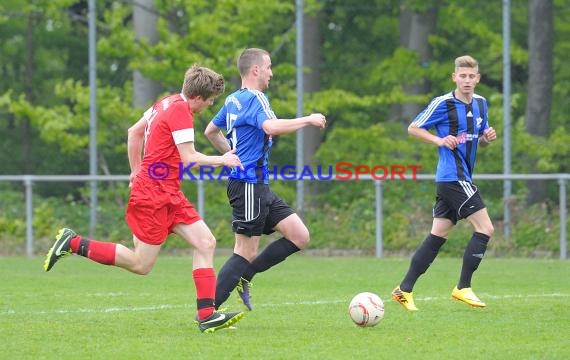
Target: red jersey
pixel 169 122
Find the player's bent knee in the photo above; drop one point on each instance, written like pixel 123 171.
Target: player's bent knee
pixel 302 240
pixel 206 244
pixel 141 269
pixel 490 230
pixel 486 231
pixel 145 271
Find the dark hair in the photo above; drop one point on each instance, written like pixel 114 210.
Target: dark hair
pixel 248 58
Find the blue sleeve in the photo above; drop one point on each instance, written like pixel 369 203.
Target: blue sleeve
pixel 263 110
pixel 220 119
pixel 434 113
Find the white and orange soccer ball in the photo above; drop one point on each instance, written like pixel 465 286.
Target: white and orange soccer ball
pixel 366 309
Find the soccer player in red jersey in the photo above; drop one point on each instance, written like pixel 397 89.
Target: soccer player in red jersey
pixel 157 144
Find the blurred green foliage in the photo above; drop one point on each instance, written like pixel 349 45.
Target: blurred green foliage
pixel 44 109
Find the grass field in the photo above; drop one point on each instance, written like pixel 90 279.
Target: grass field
pixel 81 310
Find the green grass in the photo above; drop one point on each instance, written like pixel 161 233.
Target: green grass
pixel 81 310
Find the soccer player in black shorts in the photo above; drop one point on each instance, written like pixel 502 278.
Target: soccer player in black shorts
pixel 250 124
pixel 460 120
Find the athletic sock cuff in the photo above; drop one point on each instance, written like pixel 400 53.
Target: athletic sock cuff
pixel 203 272
pixel 435 242
pixel 481 236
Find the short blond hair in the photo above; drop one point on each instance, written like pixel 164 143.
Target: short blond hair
pixel 203 82
pixel 466 61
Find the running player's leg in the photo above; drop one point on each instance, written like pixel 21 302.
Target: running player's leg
pixel 281 218
pixel 444 218
pixel 472 257
pixel 422 259
pixel 199 236
pixel 68 242
pixel 273 254
pixel 476 247
pixel 201 239
pixel 295 238
pixel 231 273
pixel 249 212
pixel 426 253
pixel 141 260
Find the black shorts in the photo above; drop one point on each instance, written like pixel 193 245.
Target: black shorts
pixel 255 208
pixel 456 200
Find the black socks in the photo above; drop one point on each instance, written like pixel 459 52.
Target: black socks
pixel 421 260
pixel 472 257
pixel 228 277
pixel 273 254
pixel 237 267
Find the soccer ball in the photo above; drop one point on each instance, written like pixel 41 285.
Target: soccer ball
pixel 366 309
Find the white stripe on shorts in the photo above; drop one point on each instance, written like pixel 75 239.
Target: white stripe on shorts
pixel 469 189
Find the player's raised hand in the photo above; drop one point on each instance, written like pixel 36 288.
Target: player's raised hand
pixel 318 120
pixel 231 159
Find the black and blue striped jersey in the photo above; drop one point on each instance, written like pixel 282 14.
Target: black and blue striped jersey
pixel 450 116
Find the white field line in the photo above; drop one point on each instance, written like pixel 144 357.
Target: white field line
pixel 163 307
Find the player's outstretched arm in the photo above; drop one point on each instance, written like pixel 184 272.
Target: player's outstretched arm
pixel 285 126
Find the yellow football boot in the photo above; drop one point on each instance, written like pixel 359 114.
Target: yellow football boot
pixel 467 296
pixel 405 299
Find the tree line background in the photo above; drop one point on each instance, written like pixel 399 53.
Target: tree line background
pixel 370 66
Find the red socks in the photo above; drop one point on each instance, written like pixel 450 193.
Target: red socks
pixel 104 253
pixel 98 251
pixel 205 282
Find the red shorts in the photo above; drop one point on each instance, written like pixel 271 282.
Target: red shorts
pixel 154 209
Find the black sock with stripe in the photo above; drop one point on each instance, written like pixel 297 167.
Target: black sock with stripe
pixel 472 257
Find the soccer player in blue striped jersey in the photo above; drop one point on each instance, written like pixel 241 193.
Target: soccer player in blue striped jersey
pixel 460 121
pixel 250 124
